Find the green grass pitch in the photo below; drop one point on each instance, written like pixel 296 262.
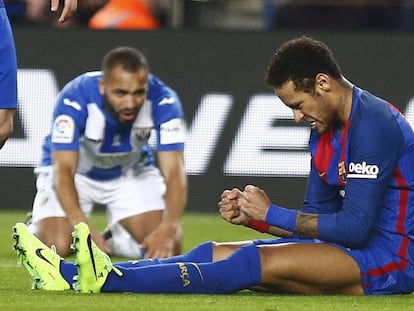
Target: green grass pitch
pixel 15 292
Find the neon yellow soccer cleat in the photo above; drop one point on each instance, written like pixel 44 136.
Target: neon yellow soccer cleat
pixel 93 264
pixel 42 262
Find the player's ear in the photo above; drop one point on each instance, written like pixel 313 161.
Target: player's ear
pixel 101 86
pixel 322 82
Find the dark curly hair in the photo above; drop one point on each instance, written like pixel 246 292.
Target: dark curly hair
pixel 300 60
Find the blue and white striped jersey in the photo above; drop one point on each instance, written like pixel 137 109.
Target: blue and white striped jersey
pixel 107 147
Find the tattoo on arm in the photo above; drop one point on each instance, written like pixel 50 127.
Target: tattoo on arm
pixel 307 225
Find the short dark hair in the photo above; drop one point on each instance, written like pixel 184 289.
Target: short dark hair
pixel 129 58
pixel 300 60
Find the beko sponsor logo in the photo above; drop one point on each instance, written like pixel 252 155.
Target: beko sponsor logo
pixel 363 170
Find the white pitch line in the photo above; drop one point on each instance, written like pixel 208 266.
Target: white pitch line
pixel 10 266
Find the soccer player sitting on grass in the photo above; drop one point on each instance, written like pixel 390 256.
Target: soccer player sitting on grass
pixel 353 234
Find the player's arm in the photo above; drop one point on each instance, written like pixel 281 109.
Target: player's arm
pixel 165 240
pixel 162 242
pixel 320 198
pixel 6 125
pixel 64 167
pixel 171 164
pixel 350 227
pixel 267 217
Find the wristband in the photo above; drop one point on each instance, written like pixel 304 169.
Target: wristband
pixel 281 217
pixel 258 225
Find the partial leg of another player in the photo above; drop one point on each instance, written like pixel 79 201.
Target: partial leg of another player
pixel 56 231
pixel 127 234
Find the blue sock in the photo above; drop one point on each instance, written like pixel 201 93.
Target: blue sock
pixel 200 253
pixel 239 271
pixel 68 271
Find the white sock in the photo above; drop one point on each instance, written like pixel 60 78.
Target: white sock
pixel 123 244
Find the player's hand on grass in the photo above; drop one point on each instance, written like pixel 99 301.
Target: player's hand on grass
pixel 254 202
pixel 100 241
pixel 162 241
pixel 229 207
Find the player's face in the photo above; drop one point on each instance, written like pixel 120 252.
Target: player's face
pixel 315 109
pixel 124 92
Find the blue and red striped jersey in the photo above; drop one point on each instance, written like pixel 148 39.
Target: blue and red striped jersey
pixel 362 177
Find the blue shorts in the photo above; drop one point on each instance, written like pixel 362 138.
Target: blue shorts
pixel 382 272
pixel 8 64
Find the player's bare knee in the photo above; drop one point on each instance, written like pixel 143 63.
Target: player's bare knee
pixel 63 249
